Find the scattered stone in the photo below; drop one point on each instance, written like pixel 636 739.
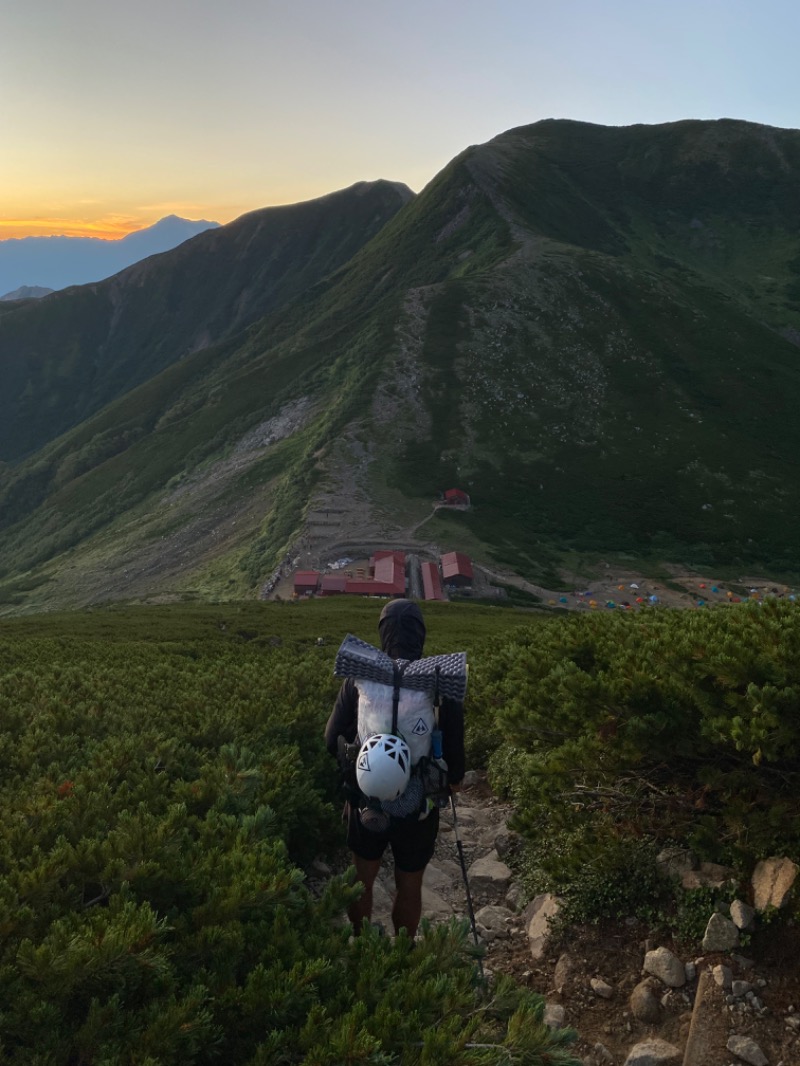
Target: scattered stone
pixel 708 875
pixel 721 934
pixel 773 880
pixel 745 1048
pixel 654 1053
pixel 690 969
pixel 667 967
pixel 494 920
pixel 489 875
pixel 675 862
pixel 504 841
pixel 603 1054
pixel 644 1004
pixel 318 868
pixel 440 874
pixel 554 1015
pixel 723 976
pixel 563 971
pixel 538 915
pixel 601 988
pixel 515 897
pixel 742 915
pixel 470 779
pixel 741 988
pixel 435 906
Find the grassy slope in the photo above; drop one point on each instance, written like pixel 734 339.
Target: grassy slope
pixel 65 358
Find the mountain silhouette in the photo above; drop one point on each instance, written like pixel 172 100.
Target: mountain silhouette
pixel 58 262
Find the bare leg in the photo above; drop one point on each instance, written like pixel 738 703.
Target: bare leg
pixel 407 908
pixel 366 872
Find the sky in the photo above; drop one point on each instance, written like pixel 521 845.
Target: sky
pixel 114 114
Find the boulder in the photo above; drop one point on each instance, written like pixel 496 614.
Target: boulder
pixel 515 897
pixel 601 988
pixel 667 967
pixel 495 920
pixel 654 1053
pixel 441 874
pixel 489 875
pixel 554 1015
pixel 675 862
pixel 746 1049
pixel 563 971
pixel 723 977
pixel 708 875
pixel 742 915
pixel 773 880
pixel 644 1004
pixel 721 934
pixel 538 914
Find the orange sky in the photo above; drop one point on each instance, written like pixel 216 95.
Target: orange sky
pixel 108 229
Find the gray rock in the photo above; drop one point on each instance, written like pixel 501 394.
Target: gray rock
pixel 603 1054
pixel 667 967
pixel 495 919
pixel 489 875
pixel 644 1004
pixel 741 988
pixel 538 914
pixel 722 976
pixel 601 988
pixel 563 971
pixel 708 875
pixel 721 934
pixel 434 905
pixel 554 1015
pixel 515 897
pixel 654 1053
pixel 773 880
pixel 747 1050
pixel 690 970
pixel 441 874
pixel 503 842
pixel 471 778
pixel 675 862
pixel 742 915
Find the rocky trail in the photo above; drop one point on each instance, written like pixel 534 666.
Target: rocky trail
pixel 635 998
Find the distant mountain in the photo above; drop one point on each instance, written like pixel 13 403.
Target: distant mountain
pixel 593 331
pixel 27 292
pixel 57 262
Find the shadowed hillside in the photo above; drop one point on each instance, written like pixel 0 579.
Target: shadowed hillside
pixel 593 331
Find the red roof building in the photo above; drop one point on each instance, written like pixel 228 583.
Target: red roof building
pixel 388 576
pixel 456 569
pixel 431 582
pixel 456 497
pixel 333 584
pixel 306 581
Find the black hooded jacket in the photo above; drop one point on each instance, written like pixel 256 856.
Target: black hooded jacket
pixel 402 632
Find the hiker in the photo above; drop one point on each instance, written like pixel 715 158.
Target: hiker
pixel 362 717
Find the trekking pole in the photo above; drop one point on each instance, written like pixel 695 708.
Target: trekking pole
pixel 470 908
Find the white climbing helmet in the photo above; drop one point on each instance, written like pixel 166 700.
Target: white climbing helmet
pixel 383 766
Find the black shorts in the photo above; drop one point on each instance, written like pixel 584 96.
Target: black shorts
pixel 412 841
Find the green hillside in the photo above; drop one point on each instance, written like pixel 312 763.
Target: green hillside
pixel 63 360
pixel 594 331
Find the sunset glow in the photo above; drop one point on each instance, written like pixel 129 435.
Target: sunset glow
pixel 107 229
pixel 210 111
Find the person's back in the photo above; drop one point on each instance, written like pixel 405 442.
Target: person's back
pixel 408 824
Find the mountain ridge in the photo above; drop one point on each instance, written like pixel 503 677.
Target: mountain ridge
pixel 587 328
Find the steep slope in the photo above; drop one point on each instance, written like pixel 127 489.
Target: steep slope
pixel 63 360
pixel 593 331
